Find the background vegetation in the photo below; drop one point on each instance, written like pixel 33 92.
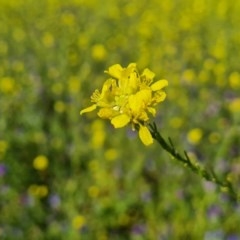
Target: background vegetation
pixel 63 176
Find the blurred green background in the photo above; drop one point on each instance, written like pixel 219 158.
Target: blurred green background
pixel 66 176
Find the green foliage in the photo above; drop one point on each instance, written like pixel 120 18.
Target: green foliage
pixel 99 182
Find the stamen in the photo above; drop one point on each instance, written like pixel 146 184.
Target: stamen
pixel 116 108
pixel 95 96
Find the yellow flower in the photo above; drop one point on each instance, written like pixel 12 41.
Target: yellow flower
pixel 99 52
pixel 40 162
pixel 7 85
pixel 129 97
pixel 48 40
pixel 194 136
pixel 111 154
pixel 78 222
pixel 39 191
pixel 59 106
pixel 98 134
pixel 234 105
pixel 3 146
pixel 128 78
pixel 93 191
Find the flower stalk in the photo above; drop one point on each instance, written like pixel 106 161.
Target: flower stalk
pixel 130 97
pixel 208 175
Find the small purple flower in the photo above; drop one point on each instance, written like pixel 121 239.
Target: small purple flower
pixel 233 237
pixel 209 186
pixel 54 201
pixel 3 169
pixel 214 235
pixel 139 229
pixel 146 196
pixel 214 212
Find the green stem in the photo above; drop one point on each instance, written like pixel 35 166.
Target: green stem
pixel 195 167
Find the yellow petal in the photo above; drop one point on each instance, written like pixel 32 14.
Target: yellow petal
pixel 144 95
pixel 120 121
pixel 152 110
pixel 89 109
pixel 132 65
pixel 138 101
pixel 159 85
pixel 115 71
pixel 143 116
pixel 134 104
pixel 149 74
pixel 107 113
pixel 108 86
pixel 159 96
pixel 133 83
pixel 145 135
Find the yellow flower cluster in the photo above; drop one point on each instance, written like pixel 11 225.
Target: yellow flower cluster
pixel 128 97
pixel 39 191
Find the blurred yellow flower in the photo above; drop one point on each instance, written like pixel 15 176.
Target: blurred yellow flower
pixel 219 49
pixel 98 134
pixel 39 137
pixel 48 39
pixel 214 137
pixel 73 84
pixel 176 122
pixel 189 75
pixel 111 154
pixel 7 85
pixel 93 191
pixel 124 219
pixel 59 106
pixel 73 58
pixel 57 88
pixel 128 97
pixel 194 136
pixel 234 80
pixel 40 162
pixel 3 146
pixel 234 105
pixel 99 52
pixel 93 165
pixel 68 19
pixel 83 41
pixel 39 191
pixel 78 222
pixel 102 236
